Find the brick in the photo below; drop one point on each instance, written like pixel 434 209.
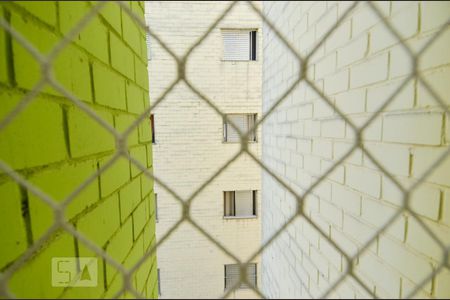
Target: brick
pixel 141 72
pixel 93 36
pixel 322 109
pixel 86 135
pixel 421 240
pixel 405 261
pixel 341 149
pixel 358 231
pixel 145 131
pixel 71 70
pixel 135 98
pixel 109 87
pixel 111 12
pixel 368 72
pixel 351 102
pixel 344 242
pixel 339 37
pixel 365 17
pixel 338 174
pixel 139 153
pixel 325 66
pixel 380 274
pixel 12 226
pixel 337 83
pixel 352 52
pixel 393 158
pixel 332 254
pixel 319 261
pixel 135 254
pixel 115 176
pixel 121 57
pixel 378 214
pixel 21 143
pixel 377 96
pixel 415 128
pixel 400 62
pixel 130 196
pixel 322 147
pixel 405 18
pixel 438 82
pixel 442 287
pixel 27 71
pixel 446 208
pixel 140 218
pixel 4 77
pixel 348 200
pixel 333 129
pixel 118 247
pixel 326 22
pixel 363 180
pixel 100 224
pixel 423 160
pixel 331 213
pixel 434 14
pixel 59 183
pixel 122 123
pixel 425 201
pixel 46 12
pixel 131 32
pixel 25 284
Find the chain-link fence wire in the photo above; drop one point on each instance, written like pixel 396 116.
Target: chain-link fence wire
pixel 46 63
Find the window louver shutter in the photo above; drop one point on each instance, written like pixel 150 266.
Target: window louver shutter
pixel 236 44
pixel 232 274
pixel 244 203
pixel 241 122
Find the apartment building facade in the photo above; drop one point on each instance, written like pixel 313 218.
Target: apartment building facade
pixel 192 142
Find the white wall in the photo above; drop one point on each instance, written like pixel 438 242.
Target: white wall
pixel 189 146
pixel 357 67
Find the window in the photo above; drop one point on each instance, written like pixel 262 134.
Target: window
pixel 149 49
pixel 242 121
pixel 159 282
pixel 239 44
pixel 156 207
pixel 239 203
pixel 232 275
pixel 152 124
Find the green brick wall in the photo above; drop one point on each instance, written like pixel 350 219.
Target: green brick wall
pixel 56 146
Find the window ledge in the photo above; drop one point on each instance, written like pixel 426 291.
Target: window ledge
pixel 239 217
pixel 238 61
pixel 250 142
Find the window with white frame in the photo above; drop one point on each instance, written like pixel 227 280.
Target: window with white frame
pixel 232 275
pixel 239 204
pixel 242 121
pixel 239 44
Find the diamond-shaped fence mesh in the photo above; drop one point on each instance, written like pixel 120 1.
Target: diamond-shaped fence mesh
pixel 46 62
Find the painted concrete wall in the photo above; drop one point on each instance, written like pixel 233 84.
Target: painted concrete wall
pixel 56 146
pixel 189 147
pixel 357 68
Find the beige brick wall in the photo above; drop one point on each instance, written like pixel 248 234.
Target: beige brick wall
pixel 189 147
pixel 357 67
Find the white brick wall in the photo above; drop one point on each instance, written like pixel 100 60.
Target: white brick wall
pixel 189 146
pixel 358 67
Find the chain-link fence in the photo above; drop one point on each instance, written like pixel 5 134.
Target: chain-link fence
pixel 185 201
